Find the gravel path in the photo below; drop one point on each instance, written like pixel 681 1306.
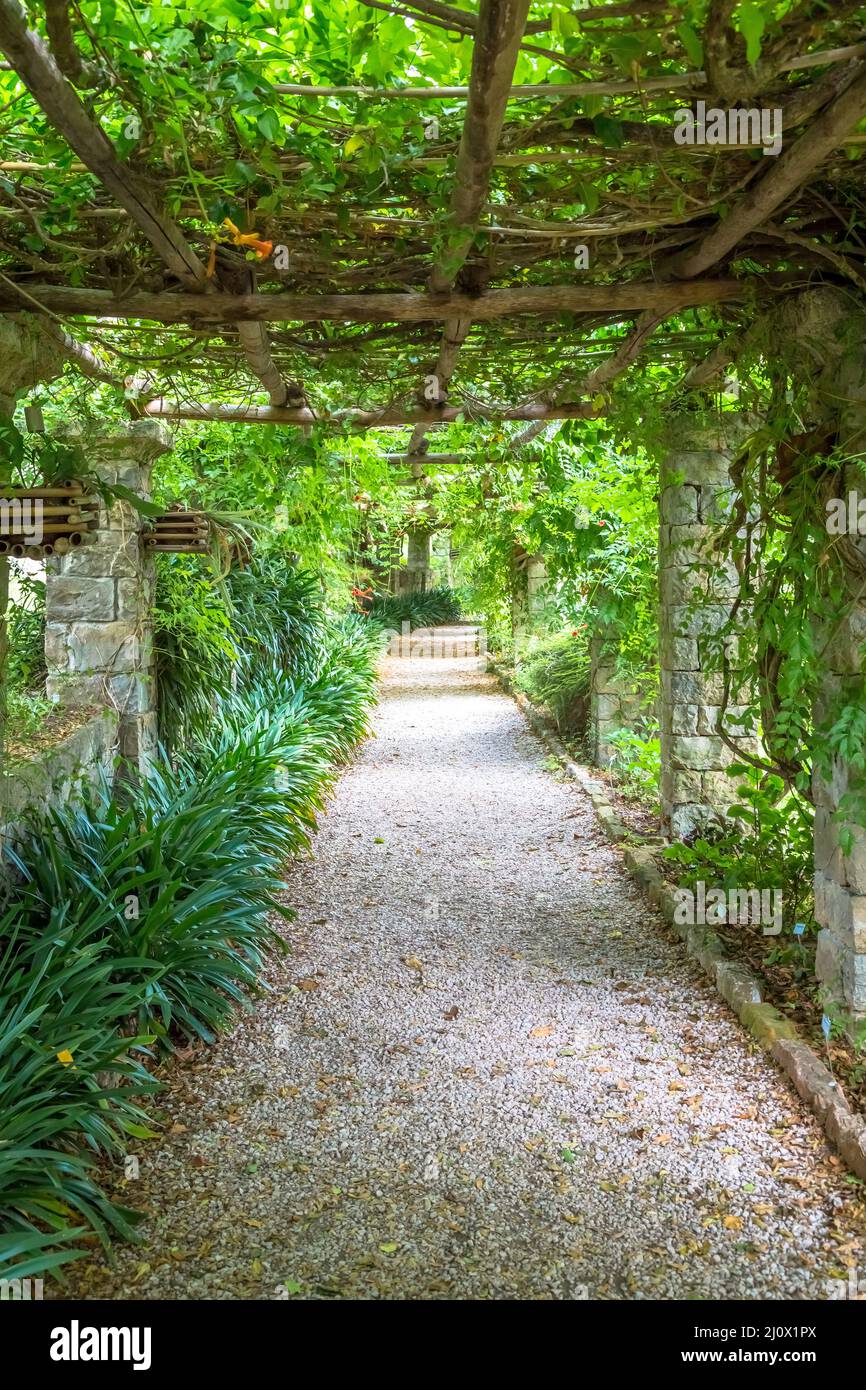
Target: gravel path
pixel 487 1071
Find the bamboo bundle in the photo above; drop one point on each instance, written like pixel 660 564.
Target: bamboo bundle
pixel 61 514
pixel 180 533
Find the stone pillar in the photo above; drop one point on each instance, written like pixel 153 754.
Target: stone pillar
pixel 414 576
pixel 695 602
pixel 99 599
pixel 840 845
pixel 536 588
pixel 832 339
pixel 528 582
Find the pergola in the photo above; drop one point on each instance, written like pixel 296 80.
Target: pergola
pixel 440 277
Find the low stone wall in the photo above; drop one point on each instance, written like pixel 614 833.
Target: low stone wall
pixel 58 774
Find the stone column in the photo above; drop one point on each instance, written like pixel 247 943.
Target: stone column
pixel 695 602
pixel 832 343
pixel 528 582
pixel 536 588
pixel 840 845
pixel 414 576
pixel 99 599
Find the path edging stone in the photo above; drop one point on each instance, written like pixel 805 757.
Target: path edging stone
pixel 739 987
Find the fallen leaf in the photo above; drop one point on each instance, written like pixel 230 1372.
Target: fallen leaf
pixel 733 1223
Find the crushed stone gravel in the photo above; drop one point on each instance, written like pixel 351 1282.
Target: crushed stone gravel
pixel 485 1071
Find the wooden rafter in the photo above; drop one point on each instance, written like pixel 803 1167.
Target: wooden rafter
pixel 65 110
pixel 498 31
pixel 788 173
pixel 389 418
pixel 172 306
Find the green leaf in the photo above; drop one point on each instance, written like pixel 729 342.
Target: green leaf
pixel 751 24
pixel 269 126
pixel 610 131
pixel 691 43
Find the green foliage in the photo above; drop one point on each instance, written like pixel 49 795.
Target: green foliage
pixel 636 764
pixel 554 672
pixel 25 667
pixel 768 844
pixel 62 1004
pixel 152 905
pixel 430 609
pixel 212 639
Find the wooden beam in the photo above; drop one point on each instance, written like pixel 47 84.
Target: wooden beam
pixel 789 171
pixel 176 307
pixel 494 55
pixel 390 418
pixel 62 42
pixel 423 458
pixel 498 31
pixel 463 19
pixel 695 80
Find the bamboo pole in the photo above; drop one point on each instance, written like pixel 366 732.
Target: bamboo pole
pixel 68 490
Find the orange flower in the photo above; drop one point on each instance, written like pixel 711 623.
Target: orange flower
pixel 261 248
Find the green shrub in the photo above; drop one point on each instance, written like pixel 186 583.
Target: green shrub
pixel 212 639
pixel 149 910
pixel 25 663
pixel 62 1002
pixel 636 764
pixel 431 609
pixel 554 672
pixel 767 843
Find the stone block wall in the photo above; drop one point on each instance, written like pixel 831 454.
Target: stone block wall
pixel 99 600
pixel 697 586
